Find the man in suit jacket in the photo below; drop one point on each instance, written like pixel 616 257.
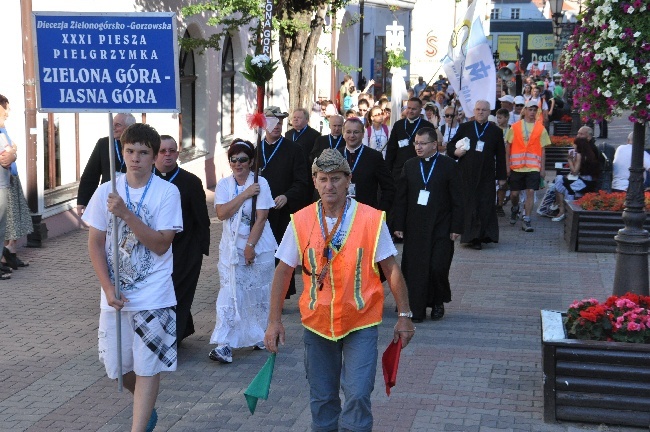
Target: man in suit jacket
pixel 305 136
pixel 98 168
pixel 369 171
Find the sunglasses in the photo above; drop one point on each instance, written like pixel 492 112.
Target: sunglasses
pixel 242 159
pixel 519 105
pixel 449 115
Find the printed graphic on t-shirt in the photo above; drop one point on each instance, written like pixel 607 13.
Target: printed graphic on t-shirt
pixel 136 266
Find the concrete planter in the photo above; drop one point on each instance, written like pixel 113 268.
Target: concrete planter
pixel 593 381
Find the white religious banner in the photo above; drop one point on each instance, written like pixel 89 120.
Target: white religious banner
pixel 469 65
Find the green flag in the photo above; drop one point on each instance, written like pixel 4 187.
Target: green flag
pixel 261 384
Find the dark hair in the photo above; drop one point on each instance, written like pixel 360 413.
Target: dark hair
pixel 141 133
pixel 503 112
pixel 589 164
pixel 429 132
pixel 415 99
pixel 3 101
pixel 356 120
pixel 168 137
pixel 363 101
pixel 241 146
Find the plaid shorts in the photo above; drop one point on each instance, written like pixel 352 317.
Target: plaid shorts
pixel 148 341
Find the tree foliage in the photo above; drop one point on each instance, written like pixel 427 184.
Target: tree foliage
pixel 298 23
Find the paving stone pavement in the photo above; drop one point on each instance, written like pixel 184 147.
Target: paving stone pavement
pixel 478 369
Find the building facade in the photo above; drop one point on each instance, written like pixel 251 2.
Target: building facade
pixel 215 97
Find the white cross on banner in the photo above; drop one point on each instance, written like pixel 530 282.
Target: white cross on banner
pixel 469 65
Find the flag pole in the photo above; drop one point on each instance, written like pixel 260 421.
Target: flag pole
pixel 267 28
pixel 116 269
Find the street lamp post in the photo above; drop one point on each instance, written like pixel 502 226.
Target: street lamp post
pixel 631 274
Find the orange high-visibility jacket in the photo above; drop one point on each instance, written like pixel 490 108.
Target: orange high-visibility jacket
pixel 526 155
pixel 352 296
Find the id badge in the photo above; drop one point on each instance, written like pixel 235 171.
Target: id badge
pixel 423 198
pixel 352 190
pixel 480 145
pixel 128 244
pixel 403 143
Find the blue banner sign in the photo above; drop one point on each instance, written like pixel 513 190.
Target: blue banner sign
pixel 106 62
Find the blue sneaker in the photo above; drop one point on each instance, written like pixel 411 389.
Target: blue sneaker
pixel 151 425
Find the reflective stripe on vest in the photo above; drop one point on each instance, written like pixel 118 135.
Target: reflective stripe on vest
pixel 352 297
pixel 524 155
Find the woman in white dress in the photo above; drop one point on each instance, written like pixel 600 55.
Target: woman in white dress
pixel 246 257
pixel 376 134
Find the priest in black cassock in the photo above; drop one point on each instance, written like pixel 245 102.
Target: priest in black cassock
pixel 480 166
pixel 428 216
pixel 193 242
pixel 282 163
pixel 333 140
pixel 305 136
pixel 371 182
pixel 400 148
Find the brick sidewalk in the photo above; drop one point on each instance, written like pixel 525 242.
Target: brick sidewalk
pixel 479 369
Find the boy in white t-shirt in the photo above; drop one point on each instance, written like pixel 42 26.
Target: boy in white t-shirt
pixel 148 211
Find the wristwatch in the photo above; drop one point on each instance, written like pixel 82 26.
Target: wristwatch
pixel 408 314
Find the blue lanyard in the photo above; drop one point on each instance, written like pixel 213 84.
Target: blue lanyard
pixel 4 132
pixel 426 180
pixel 336 240
pixel 414 130
pixel 337 143
pixel 356 161
pixel 266 162
pixel 119 156
pixel 128 196
pixel 484 129
pixel 175 174
pixel 295 138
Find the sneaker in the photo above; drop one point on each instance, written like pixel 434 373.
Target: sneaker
pixel 559 218
pixel 259 346
pixel 222 354
pixel 500 211
pixel 553 207
pixel 153 420
pixel 526 226
pixel 514 215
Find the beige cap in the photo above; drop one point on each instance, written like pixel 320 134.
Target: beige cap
pixel 330 160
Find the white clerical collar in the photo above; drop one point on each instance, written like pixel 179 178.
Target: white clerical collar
pixel 412 121
pixel 431 157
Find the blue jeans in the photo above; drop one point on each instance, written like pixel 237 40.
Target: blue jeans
pixel 349 363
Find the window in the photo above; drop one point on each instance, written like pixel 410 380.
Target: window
pixel 494 15
pixel 514 13
pixel 60 174
pixel 187 117
pixel 227 89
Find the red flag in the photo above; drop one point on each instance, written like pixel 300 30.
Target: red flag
pixel 390 363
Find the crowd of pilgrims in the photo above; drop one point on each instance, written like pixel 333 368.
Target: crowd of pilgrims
pixel 376 152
